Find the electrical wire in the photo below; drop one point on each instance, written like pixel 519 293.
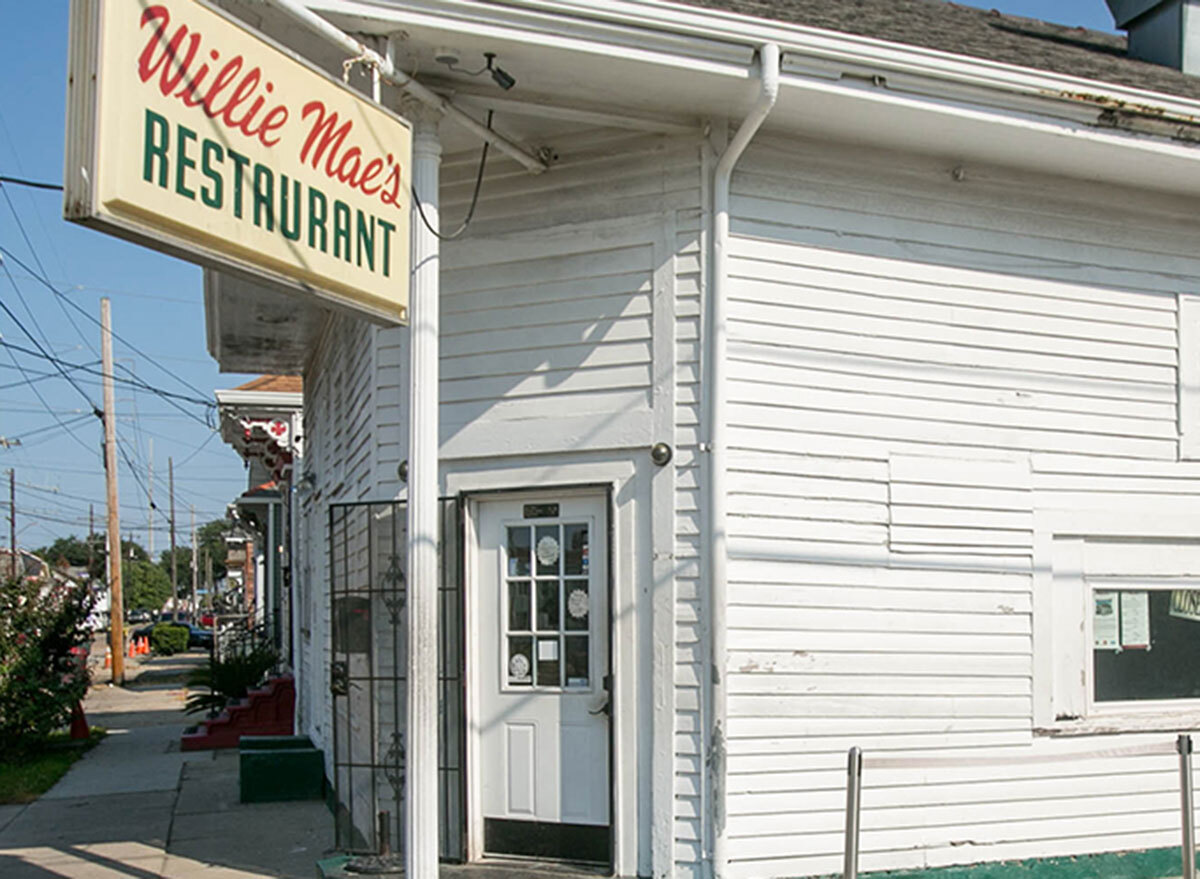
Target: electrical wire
pixel 35 184
pixel 38 345
pixel 474 197
pixel 134 382
pixel 38 377
pixel 42 268
pixel 37 393
pixel 9 254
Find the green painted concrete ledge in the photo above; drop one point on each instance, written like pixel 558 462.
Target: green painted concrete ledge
pixel 1159 863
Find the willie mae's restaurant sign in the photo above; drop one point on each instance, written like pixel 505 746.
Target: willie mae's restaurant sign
pixel 192 134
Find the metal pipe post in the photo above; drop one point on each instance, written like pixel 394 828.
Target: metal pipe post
pixel 853 806
pixel 1184 746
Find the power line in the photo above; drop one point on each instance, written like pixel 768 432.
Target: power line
pixel 34 184
pixel 134 382
pixel 42 268
pixel 61 424
pixel 42 399
pixel 119 291
pixel 38 344
pixel 8 253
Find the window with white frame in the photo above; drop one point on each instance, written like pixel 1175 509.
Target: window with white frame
pixel 1122 646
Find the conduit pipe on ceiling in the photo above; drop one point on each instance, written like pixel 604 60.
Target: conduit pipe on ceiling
pixel 718 548
pixel 300 13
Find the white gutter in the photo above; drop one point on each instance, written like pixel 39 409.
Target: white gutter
pixel 660 29
pixel 718 548
pixel 300 13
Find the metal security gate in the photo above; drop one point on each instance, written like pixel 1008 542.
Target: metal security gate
pixel 368 585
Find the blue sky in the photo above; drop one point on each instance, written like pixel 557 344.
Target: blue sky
pixel 157 309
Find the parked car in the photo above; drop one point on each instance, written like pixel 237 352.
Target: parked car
pixel 200 637
pixel 138 615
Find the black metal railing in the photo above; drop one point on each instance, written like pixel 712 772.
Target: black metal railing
pixel 367 676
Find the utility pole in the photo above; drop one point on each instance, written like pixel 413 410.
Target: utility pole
pixel 12 521
pixel 195 567
pixel 91 531
pixel 150 500
pixel 116 604
pixel 174 573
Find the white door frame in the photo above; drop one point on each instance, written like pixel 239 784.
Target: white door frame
pixel 626 661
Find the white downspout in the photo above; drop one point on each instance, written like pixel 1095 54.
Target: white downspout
pixel 768 60
pixel 296 10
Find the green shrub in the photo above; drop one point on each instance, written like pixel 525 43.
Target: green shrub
pixel 167 639
pixel 229 678
pixel 43 658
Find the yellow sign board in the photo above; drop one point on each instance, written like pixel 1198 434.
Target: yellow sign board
pixel 191 133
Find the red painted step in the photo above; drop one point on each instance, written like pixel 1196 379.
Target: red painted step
pixel 268 711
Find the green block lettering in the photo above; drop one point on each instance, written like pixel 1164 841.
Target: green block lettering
pixel 341 230
pixel 318 209
pixel 264 197
pixel 212 152
pixel 154 148
pixel 182 162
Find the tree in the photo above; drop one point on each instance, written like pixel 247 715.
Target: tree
pixel 212 544
pixel 76 552
pixel 42 674
pixel 72 551
pixel 144 585
pixel 211 537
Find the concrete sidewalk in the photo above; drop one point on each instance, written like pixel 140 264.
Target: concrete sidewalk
pixel 136 807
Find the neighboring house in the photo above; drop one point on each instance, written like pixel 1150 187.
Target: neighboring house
pixel 260 420
pixel 893 441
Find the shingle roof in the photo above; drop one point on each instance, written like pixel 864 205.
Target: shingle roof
pixel 279 384
pixel 981 33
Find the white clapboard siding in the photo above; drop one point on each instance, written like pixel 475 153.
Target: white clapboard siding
pixel 691 646
pixel 915 367
pixel 963 506
pixel 340 429
pixel 547 316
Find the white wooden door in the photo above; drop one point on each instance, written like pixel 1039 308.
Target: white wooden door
pixel 542 627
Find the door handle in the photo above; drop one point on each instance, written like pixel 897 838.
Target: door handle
pixel 606 708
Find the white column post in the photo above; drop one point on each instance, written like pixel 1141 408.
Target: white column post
pixel 421 785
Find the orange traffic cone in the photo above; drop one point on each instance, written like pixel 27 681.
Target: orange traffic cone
pixel 132 649
pixel 107 656
pixel 146 646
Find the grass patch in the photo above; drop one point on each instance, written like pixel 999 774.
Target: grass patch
pixel 25 779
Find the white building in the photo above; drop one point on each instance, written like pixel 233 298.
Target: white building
pixel 853 450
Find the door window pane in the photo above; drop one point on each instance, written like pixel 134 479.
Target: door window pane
pixel 578 605
pixel 520 660
pixel 518 551
pixel 575 549
pixel 548 662
pixel 577 660
pixel 547 605
pixel 548 549
pixel 520 614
